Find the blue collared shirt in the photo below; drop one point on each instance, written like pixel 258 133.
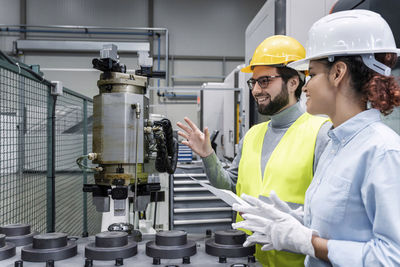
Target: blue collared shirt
pixel 354 198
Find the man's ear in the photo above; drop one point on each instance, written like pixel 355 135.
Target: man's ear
pixel 337 73
pixel 292 84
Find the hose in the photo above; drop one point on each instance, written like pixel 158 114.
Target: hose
pixel 84 167
pixel 167 147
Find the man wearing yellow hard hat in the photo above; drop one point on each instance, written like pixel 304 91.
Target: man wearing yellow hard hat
pixel 278 155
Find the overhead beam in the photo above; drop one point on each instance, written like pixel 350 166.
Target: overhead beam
pixel 78 46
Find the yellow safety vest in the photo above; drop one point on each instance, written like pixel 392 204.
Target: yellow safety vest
pixel 288 172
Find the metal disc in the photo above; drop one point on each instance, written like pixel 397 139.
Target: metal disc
pixel 15 229
pixel 170 252
pixel 111 239
pixel 29 253
pixel 50 240
pixel 21 240
pixel 171 238
pixel 230 237
pixel 110 253
pixel 7 251
pixel 230 251
pixel 2 240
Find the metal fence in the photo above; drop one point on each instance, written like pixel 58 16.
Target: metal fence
pixel 26 156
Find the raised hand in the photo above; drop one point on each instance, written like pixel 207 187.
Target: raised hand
pixel 197 140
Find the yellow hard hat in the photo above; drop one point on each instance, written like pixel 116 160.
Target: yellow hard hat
pixel 276 50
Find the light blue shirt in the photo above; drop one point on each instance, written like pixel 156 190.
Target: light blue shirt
pixel 354 198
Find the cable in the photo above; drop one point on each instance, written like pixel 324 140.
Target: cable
pixel 84 167
pixel 167 147
pixel 20 66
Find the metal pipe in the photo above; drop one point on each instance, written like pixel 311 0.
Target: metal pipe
pixel 166 56
pixel 205 58
pixel 85 27
pixel 196 89
pixel 49 163
pixel 76 32
pixel 137 153
pixel 158 58
pixel 53 166
pixel 150 22
pixel 86 31
pixel 85 232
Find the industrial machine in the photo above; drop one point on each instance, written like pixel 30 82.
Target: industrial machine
pixel 222 111
pixel 128 146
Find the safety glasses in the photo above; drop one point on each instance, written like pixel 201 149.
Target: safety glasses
pixel 262 81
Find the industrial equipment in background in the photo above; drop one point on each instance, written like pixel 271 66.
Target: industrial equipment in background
pixel 222 112
pixel 131 149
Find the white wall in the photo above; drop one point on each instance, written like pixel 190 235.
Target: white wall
pixel 9 14
pixel 206 27
pixel 301 15
pixel 117 13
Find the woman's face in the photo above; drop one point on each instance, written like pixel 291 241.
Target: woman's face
pixel 318 90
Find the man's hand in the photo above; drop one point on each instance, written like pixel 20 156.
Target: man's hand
pixel 198 141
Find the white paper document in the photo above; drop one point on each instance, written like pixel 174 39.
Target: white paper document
pixel 225 195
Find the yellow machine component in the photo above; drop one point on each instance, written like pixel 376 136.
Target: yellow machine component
pixel 108 178
pixel 276 50
pixel 115 82
pixel 104 178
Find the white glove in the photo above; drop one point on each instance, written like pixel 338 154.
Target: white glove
pixel 253 223
pixel 257 238
pixel 284 230
pixel 256 224
pixel 298 213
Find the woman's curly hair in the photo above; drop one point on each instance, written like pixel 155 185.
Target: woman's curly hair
pixel 383 92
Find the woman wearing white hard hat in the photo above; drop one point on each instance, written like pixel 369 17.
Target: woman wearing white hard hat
pixel 352 207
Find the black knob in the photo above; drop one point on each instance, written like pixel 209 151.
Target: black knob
pixel 222 259
pixel 251 258
pixel 18 264
pixel 119 262
pixel 50 263
pixel 156 261
pixel 88 263
pixel 208 233
pixel 186 260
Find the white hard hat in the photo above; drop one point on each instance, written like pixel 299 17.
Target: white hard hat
pixel 353 32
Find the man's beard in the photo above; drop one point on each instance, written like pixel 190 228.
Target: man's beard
pixel 276 104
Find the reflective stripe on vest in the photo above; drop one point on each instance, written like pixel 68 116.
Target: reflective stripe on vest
pixel 288 172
